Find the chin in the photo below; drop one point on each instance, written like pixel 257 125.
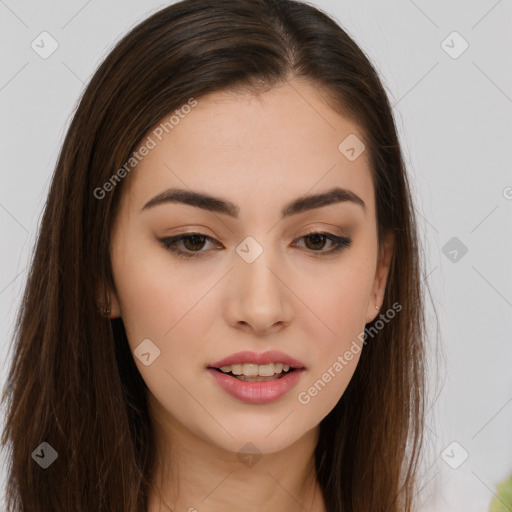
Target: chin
pixel 252 437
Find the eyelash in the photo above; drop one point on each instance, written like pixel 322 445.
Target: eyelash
pixel 169 243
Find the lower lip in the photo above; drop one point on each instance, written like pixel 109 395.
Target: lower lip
pixel 262 392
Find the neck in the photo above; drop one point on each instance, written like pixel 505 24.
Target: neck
pixel 194 475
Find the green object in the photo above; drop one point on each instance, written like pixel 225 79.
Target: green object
pixel 503 503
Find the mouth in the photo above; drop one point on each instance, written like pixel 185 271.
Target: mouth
pixel 257 378
pixel 250 372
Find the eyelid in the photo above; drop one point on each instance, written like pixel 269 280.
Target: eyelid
pixel 170 241
pixel 339 243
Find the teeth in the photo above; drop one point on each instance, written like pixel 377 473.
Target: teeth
pixel 253 370
pixel 266 370
pixel 236 369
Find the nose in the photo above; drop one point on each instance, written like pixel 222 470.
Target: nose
pixel 259 296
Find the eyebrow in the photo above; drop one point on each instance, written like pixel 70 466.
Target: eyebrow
pixel 219 205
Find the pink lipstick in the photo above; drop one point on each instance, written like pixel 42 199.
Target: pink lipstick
pixel 257 378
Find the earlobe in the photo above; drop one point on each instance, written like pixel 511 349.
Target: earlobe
pixel 381 277
pixel 108 304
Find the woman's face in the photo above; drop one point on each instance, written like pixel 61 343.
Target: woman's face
pixel 253 278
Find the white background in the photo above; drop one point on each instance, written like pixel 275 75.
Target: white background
pixel 454 117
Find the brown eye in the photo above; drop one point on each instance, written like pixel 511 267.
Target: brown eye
pixel 318 241
pixel 186 245
pixel 315 242
pixel 196 242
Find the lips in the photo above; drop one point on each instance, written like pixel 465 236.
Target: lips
pixel 256 393
pixel 271 356
pixel 257 390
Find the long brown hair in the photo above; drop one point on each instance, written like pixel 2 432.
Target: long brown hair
pixel 73 382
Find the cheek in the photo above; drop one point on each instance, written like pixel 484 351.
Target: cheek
pixel 334 355
pixel 339 300
pixel 161 302
pixel 154 293
pixel 338 296
pixel 165 302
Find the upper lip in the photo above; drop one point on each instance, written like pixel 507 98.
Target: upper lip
pixel 272 356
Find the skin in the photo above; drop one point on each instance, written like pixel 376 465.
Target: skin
pixel 259 152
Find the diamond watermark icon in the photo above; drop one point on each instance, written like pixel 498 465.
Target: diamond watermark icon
pixel 44 45
pixel 454 455
pixel 454 249
pixel 454 45
pixel 146 352
pixel 249 249
pixel 44 455
pixel 351 147
pixel 249 454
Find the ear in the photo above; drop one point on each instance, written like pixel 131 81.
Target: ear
pixel 381 277
pixel 108 298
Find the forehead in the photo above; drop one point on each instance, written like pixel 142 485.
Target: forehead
pixel 285 141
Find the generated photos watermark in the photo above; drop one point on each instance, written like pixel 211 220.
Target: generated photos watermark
pixel 151 141
pixel 304 397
